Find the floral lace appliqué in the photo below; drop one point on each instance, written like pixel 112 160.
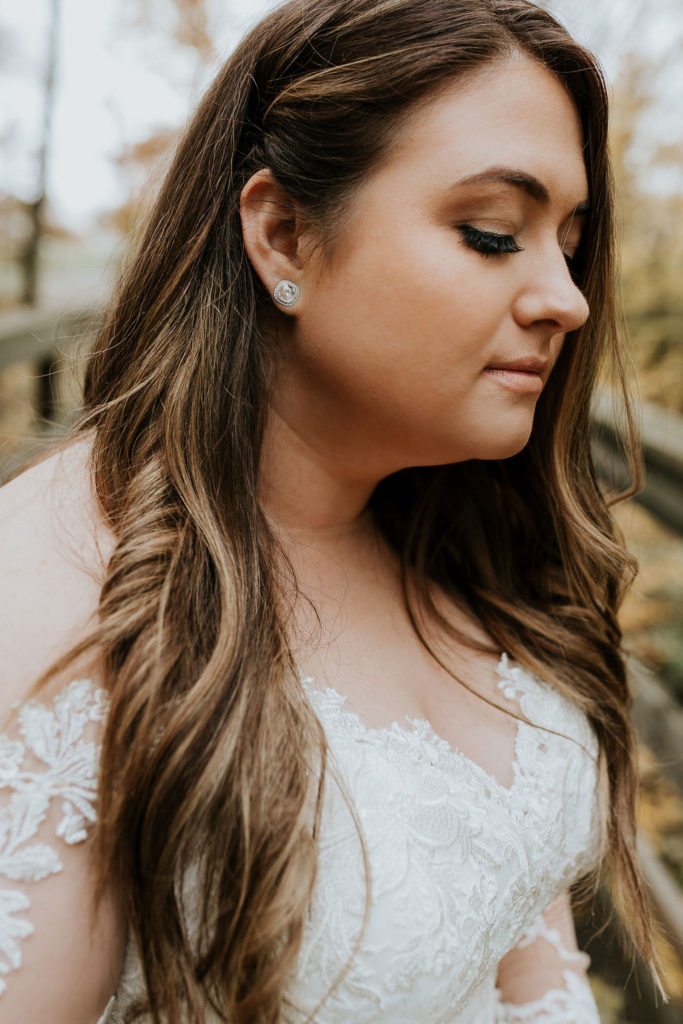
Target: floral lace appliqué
pixel 576 1005
pixel 460 864
pixel 66 771
pixel 572 1005
pixel 540 929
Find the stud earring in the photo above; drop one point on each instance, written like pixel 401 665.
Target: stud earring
pixel 286 293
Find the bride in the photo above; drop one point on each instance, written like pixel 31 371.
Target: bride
pixel 313 700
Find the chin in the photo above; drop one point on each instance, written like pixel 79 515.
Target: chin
pixel 501 447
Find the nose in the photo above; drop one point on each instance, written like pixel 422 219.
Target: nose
pixel 550 295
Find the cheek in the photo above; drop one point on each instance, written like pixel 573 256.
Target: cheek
pixel 393 340
pixel 555 347
pixel 410 303
pixel 556 343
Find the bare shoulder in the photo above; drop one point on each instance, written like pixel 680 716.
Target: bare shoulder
pixel 54 549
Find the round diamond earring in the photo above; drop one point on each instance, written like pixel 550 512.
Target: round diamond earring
pixel 286 293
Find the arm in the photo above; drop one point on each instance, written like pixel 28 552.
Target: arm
pixel 58 960
pixel 543 979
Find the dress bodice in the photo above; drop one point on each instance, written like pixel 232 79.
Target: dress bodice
pixel 461 867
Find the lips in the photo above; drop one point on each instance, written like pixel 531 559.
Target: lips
pixel 527 364
pixel 523 375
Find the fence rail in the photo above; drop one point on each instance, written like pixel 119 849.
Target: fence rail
pixel 45 339
pixel 662 440
pixel 30 335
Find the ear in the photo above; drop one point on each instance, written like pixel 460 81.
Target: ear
pixel 273 228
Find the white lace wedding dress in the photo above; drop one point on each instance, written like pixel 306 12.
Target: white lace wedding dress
pixel 463 868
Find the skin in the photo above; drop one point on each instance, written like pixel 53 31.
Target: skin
pixel 388 361
pixel 54 549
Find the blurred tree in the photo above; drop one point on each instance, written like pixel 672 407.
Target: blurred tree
pixel 192 27
pixel 143 162
pixel 651 215
pixel 189 24
pixel 642 47
pixel 29 256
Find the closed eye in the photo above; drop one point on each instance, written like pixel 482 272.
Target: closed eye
pixel 489 243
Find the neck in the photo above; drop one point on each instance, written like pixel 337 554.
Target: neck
pixel 308 493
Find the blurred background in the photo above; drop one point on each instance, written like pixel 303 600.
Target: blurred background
pixel 92 97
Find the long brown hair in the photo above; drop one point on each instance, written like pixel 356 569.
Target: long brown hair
pixel 212 756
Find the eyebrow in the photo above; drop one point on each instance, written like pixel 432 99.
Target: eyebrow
pixel 519 179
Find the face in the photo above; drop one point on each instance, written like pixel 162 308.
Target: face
pixel 429 333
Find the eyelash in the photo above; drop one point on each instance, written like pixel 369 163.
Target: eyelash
pixel 490 243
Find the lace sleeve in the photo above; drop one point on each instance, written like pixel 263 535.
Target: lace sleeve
pixel 543 979
pixel 48 784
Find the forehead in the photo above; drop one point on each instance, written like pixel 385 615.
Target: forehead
pixel 512 112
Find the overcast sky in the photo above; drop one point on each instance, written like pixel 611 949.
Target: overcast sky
pixel 117 85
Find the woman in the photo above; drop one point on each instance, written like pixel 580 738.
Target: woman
pixel 336 426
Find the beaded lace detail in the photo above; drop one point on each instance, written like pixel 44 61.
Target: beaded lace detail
pixel 461 867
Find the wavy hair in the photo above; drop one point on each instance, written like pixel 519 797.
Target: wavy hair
pixel 213 760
